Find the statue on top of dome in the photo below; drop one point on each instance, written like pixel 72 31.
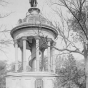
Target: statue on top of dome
pixel 33 3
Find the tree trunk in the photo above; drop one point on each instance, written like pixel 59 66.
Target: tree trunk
pixel 86 63
pixel 86 71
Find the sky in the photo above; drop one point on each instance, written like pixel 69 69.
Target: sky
pixel 18 10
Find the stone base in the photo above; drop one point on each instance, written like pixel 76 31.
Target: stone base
pixel 30 80
pixel 31 10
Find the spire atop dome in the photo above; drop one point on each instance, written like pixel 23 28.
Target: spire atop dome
pixel 33 3
pixel 33 9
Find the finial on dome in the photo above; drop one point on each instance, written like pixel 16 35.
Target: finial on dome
pixel 33 3
pixel 33 9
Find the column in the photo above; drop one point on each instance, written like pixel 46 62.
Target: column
pixel 33 56
pixel 42 59
pixel 16 55
pixel 24 53
pixel 48 54
pixel 37 53
pixel 53 57
pixel 22 56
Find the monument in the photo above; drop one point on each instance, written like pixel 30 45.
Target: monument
pixel 37 34
pixel 33 3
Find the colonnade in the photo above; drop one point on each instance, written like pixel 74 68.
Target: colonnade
pixel 50 54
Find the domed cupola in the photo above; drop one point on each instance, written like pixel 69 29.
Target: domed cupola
pixel 35 19
pixel 35 34
pixel 34 31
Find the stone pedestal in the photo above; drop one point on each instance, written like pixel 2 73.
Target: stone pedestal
pixel 30 80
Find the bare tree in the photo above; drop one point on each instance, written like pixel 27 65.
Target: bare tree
pixel 78 23
pixel 4 41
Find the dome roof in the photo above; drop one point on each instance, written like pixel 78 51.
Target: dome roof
pixel 34 18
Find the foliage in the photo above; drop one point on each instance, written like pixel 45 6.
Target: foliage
pixel 20 68
pixel 13 67
pixel 70 74
pixel 3 71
